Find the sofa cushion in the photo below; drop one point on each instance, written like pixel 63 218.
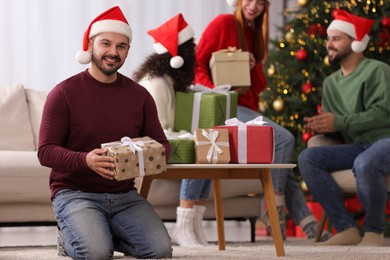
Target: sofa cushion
pixel 35 100
pixel 15 128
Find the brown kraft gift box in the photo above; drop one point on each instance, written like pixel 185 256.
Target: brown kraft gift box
pixel 130 154
pixel 211 146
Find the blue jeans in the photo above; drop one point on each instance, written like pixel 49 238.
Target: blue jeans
pixel 94 225
pixel 370 163
pixel 284 180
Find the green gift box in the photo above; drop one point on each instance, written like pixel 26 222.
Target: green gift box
pixel 197 109
pixel 183 150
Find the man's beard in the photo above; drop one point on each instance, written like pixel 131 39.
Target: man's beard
pixel 340 55
pixel 108 71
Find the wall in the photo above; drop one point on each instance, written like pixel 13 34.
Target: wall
pixel 41 37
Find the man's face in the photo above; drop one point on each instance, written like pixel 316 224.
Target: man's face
pixel 338 46
pixel 109 51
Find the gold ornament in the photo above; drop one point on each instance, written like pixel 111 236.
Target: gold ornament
pixel 263 106
pixel 302 3
pixel 304 186
pixel 278 104
pixel 271 70
pixel 326 60
pixel 289 36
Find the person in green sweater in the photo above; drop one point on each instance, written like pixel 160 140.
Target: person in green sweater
pixel 356 106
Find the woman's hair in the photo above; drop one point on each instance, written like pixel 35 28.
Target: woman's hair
pixel 157 65
pixel 260 31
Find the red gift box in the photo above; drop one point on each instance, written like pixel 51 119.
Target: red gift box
pixel 250 143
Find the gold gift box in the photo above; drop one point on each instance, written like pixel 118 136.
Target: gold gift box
pixel 231 66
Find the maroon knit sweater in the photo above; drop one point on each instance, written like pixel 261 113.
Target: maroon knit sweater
pixel 81 113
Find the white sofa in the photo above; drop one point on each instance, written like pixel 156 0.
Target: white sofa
pixel 24 186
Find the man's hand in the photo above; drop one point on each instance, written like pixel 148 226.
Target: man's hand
pixel 319 124
pixel 101 164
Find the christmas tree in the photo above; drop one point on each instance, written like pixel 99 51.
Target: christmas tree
pixel 298 63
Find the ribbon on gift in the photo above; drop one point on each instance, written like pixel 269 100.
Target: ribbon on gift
pixel 214 150
pixel 242 138
pixel 230 51
pixel 178 135
pixel 199 90
pixel 136 146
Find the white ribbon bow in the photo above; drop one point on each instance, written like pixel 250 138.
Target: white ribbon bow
pixel 136 146
pixel 200 89
pixel 241 138
pixel 214 150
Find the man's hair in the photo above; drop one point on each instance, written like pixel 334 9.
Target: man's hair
pixel 158 65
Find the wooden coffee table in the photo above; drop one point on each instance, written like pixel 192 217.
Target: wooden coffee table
pixel 216 172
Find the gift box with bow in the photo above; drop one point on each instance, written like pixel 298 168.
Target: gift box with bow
pixel 212 146
pixel 250 142
pixel 183 147
pixel 136 157
pixel 231 66
pixel 204 107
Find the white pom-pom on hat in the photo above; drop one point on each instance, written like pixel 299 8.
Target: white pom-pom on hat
pixel 176 62
pixel 178 31
pixel 83 57
pixel 232 2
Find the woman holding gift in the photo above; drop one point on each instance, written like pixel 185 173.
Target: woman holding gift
pixel 247 29
pixel 169 70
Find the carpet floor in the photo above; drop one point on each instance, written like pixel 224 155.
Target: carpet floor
pixel 295 250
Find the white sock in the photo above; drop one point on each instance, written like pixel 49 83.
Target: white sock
pixel 198 226
pixel 183 233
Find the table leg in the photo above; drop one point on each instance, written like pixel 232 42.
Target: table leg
pixel 219 214
pixel 144 186
pixel 269 196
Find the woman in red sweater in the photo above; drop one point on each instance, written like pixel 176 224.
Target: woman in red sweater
pixel 247 29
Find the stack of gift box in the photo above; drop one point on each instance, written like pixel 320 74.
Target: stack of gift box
pixel 206 132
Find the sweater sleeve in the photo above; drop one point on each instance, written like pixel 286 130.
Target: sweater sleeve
pixel 52 136
pixel 219 34
pixel 163 96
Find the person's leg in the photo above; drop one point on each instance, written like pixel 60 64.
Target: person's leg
pixel 137 229
pixel 369 168
pixel 315 165
pixel 83 224
pixel 188 229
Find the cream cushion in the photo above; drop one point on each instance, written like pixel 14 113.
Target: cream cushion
pixel 15 128
pixel 35 100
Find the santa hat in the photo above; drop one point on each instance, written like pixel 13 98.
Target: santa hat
pixel 169 36
pixel 232 2
pixel 355 26
pixel 111 20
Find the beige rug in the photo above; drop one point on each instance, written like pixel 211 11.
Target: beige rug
pixel 296 250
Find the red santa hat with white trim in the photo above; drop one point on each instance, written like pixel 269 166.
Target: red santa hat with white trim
pixel 355 26
pixel 111 20
pixel 169 36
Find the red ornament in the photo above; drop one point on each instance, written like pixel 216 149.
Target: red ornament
pixel 317 30
pixel 386 22
pixel 319 109
pixel 307 87
pixel 306 137
pixel 302 55
pixel 288 27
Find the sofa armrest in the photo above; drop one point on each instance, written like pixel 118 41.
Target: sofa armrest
pixel 323 140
